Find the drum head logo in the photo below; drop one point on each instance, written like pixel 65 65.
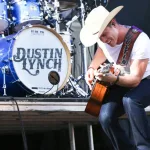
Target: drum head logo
pixel 34 60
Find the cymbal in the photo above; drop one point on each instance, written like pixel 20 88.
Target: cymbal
pixel 64 5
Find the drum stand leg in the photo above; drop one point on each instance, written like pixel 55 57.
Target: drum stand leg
pixel 74 82
pixel 4 69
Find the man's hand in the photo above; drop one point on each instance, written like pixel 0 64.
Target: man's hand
pixel 89 77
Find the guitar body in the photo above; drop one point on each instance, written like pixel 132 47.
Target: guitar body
pixel 97 96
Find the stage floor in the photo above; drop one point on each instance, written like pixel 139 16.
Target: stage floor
pixel 39 114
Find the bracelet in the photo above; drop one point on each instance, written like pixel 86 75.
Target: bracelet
pixel 116 80
pixel 91 68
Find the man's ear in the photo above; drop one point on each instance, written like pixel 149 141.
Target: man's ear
pixel 113 22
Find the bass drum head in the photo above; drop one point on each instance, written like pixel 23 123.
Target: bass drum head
pixel 40 60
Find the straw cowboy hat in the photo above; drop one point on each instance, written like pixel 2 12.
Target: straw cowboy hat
pixel 95 23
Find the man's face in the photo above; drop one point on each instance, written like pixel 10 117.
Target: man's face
pixel 110 36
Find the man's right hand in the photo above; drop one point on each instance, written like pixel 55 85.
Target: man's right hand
pixel 89 77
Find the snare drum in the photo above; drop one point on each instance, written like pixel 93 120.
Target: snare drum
pixel 25 12
pixel 36 56
pixel 4 23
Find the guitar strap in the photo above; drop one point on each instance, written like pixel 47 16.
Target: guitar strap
pixel 127 46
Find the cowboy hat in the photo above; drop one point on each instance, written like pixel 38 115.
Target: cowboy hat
pixel 95 23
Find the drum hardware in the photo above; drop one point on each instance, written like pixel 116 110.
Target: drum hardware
pixel 72 88
pixel 5 61
pixel 4 70
pixel 48 26
pixel 78 89
pixel 72 46
pixel 48 14
pixel 11 39
pixel 64 5
pixel 83 48
pixel 68 24
pixel 56 16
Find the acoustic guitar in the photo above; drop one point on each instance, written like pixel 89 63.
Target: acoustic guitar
pixel 98 92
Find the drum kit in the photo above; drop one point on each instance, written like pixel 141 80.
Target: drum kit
pixel 34 52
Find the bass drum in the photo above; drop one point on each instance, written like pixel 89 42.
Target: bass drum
pixel 37 59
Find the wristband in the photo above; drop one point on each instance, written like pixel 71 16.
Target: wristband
pixel 116 80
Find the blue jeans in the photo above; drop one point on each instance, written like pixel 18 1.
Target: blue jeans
pixel 119 101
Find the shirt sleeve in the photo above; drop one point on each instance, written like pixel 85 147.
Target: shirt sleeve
pixel 141 47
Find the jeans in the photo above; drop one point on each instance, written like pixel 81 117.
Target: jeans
pixel 122 100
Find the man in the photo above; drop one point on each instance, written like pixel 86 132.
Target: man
pixel 131 92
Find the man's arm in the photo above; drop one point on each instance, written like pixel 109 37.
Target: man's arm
pixel 98 59
pixel 137 70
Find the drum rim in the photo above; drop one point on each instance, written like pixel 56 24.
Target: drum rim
pixel 64 45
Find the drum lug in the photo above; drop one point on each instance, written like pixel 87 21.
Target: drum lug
pixel 7 71
pixel 5 61
pixel 28 25
pixel 13 38
pixel 10 59
pixel 48 26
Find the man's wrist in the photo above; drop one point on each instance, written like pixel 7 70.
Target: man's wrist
pixel 117 79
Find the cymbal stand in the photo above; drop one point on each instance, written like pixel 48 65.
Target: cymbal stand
pixel 56 6
pixel 83 48
pixel 68 26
